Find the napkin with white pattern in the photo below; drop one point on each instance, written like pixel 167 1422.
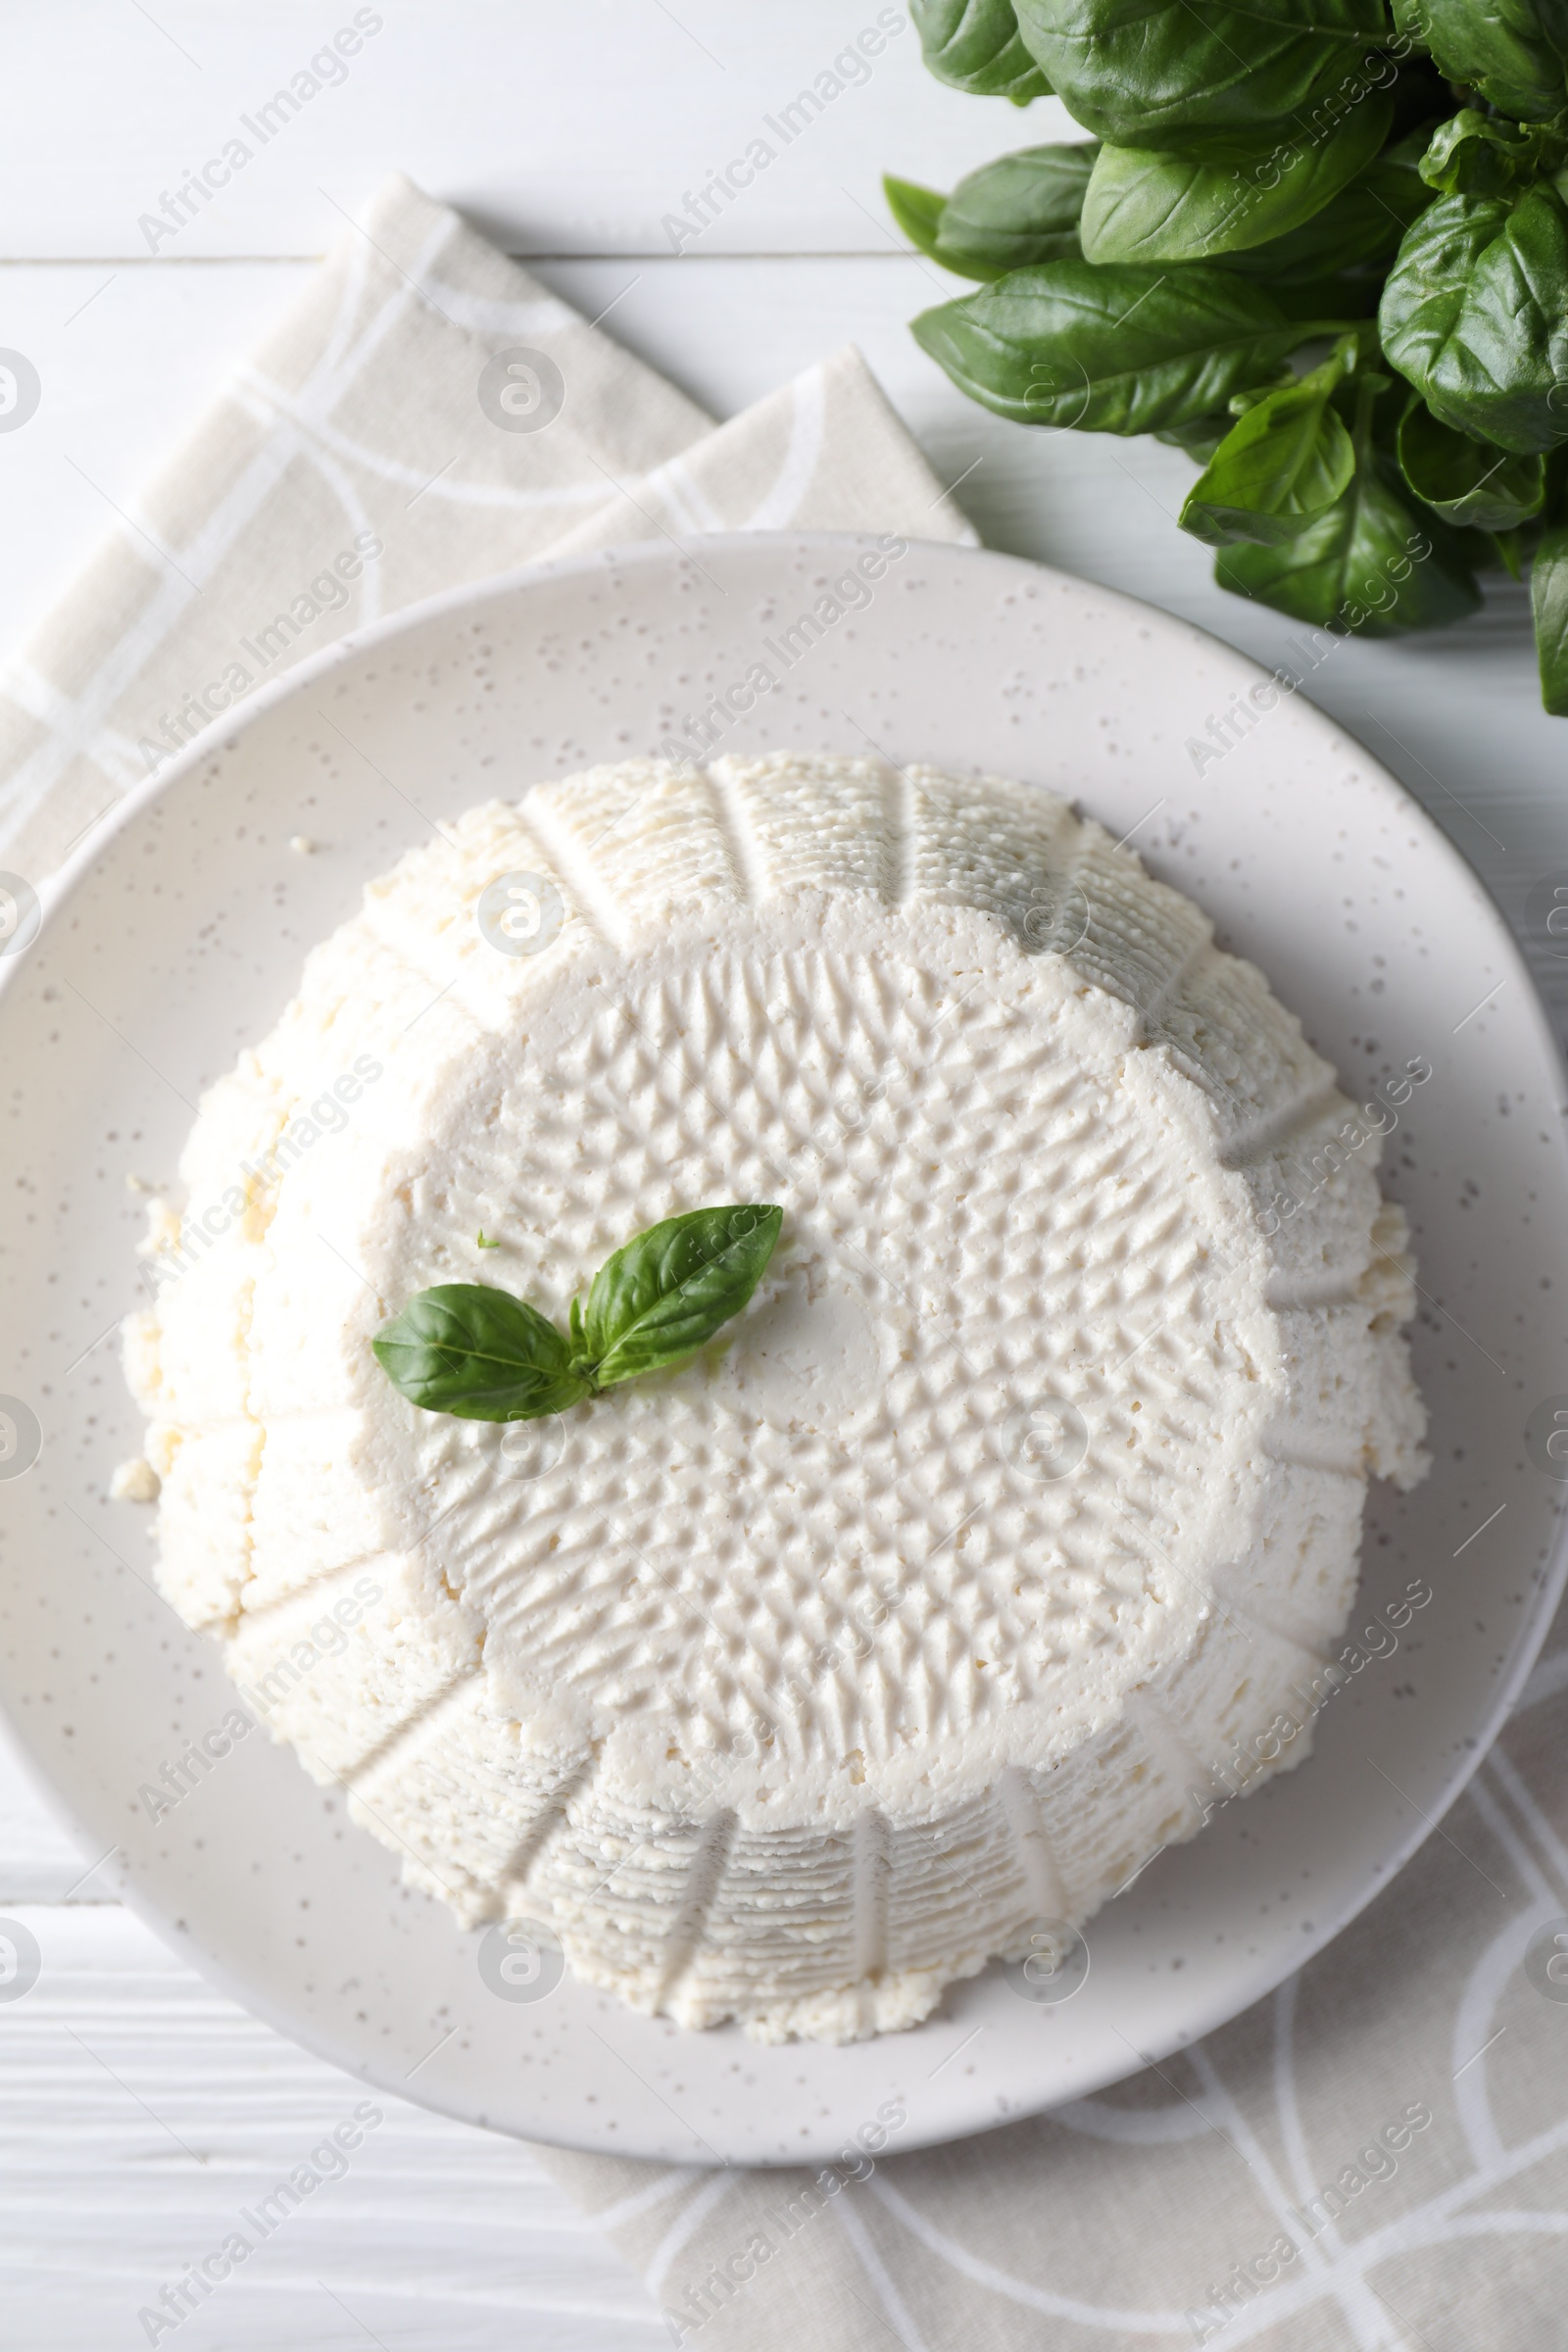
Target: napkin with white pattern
pixel 425 414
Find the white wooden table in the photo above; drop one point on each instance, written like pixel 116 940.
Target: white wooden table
pixel 138 2110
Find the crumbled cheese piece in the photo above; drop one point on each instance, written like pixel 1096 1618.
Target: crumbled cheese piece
pixel 135 1481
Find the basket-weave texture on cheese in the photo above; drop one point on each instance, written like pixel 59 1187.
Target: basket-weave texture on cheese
pixel 949 1581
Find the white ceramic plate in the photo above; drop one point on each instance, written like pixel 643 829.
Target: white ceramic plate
pixel 177 938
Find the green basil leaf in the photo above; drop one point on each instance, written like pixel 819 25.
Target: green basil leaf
pixel 1157 73
pixel 1201 437
pixel 1548 602
pixel 1121 349
pixel 1284 379
pixel 1286 462
pixel 478 1353
pixel 1467 481
pixel 916 210
pixel 1369 567
pixel 1018 211
pixel 1147 205
pixel 1479 154
pixel 975 45
pixel 1475 315
pixel 1362 225
pixel 1513 53
pixel 1349 296
pixel 667 1291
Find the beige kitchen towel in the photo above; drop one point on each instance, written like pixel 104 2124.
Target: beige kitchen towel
pixel 1374 2158
pixel 425 414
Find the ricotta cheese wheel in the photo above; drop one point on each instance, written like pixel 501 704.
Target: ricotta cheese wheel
pixel 977 1559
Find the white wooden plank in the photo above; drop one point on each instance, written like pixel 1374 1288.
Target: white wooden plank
pixel 564 129
pixel 142 2117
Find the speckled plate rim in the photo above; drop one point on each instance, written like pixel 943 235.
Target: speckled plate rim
pixel 1239 1989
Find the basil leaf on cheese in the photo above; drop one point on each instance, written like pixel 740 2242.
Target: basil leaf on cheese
pixel 666 1292
pixel 481 1354
pixel 478 1353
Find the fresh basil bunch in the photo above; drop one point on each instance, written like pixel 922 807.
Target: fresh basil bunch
pixel 1322 245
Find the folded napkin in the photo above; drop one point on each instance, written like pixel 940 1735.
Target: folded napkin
pixel 1375 2156
pixel 425 414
